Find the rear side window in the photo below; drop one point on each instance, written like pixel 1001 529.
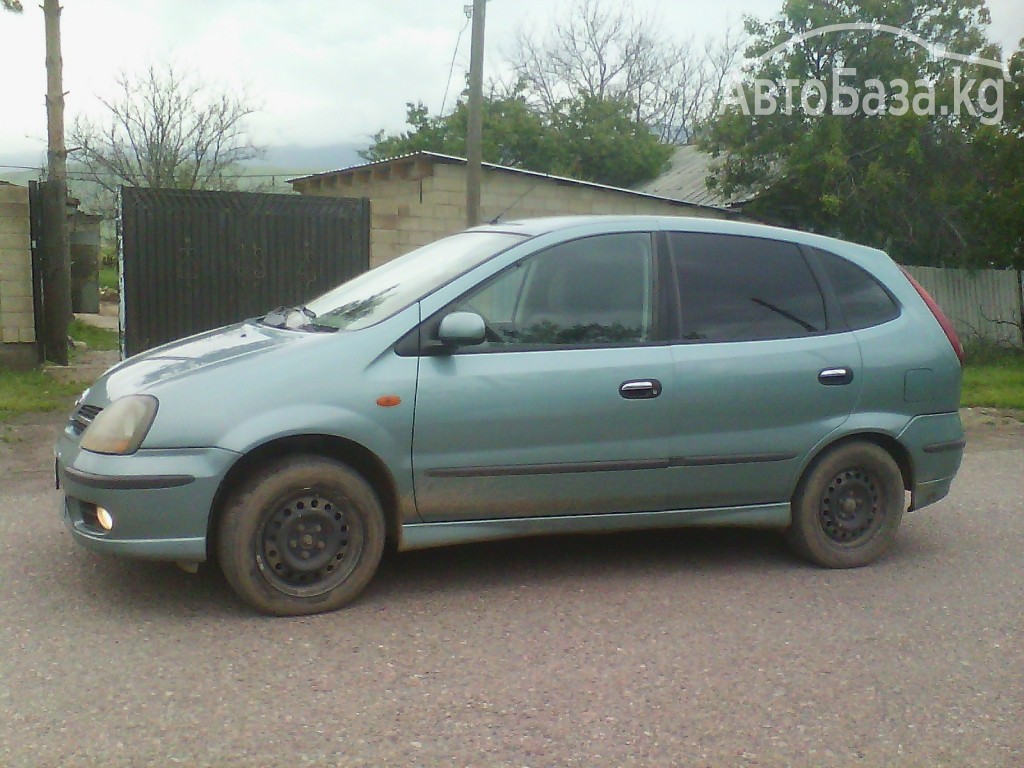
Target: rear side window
pixel 862 299
pixel 734 288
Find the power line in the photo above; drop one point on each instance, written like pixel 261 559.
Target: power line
pixel 451 68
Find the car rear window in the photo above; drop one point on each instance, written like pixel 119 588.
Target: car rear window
pixel 863 300
pixel 734 288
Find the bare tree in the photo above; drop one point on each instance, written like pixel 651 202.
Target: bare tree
pixel 165 128
pixel 604 51
pixel 695 83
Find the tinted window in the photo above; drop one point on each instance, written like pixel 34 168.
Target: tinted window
pixel 735 288
pixel 591 291
pixel 864 302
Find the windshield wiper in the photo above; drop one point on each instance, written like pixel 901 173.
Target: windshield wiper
pixel 788 315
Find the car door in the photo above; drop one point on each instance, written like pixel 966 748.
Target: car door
pixel 762 372
pixel 562 411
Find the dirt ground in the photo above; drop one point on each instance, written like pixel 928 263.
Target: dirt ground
pixel 992 429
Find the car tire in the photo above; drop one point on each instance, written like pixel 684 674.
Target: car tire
pixel 302 536
pixel 847 507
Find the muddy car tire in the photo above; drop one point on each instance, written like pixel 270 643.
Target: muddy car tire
pixel 302 536
pixel 848 507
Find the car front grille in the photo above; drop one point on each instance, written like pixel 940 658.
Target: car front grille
pixel 83 417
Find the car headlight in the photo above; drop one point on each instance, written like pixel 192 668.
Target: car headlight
pixel 121 427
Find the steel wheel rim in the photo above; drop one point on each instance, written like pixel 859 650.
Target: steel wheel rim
pixel 852 508
pixel 309 543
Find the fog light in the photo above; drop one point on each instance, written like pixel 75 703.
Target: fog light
pixel 105 519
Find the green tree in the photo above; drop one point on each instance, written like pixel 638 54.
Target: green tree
pixel 11 5
pixel 586 138
pixel 513 134
pixel 904 182
pixel 996 211
pixel 601 140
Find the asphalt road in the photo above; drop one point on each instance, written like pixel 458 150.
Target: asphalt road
pixel 688 648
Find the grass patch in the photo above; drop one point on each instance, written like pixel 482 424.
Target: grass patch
pixel 94 338
pixel 993 377
pixel 34 392
pixel 108 277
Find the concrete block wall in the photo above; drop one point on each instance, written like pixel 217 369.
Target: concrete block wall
pixel 406 213
pixel 513 196
pixel 17 322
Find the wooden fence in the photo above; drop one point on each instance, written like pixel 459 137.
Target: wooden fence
pixel 982 304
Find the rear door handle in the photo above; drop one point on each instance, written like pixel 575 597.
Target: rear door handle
pixel 832 377
pixel 640 389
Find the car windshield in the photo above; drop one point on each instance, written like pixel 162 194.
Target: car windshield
pixel 381 292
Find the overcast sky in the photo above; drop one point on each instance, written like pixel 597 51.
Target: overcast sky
pixel 322 71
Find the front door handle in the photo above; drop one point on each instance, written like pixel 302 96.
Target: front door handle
pixel 640 389
pixel 832 377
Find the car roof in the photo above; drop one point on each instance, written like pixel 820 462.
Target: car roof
pixel 587 225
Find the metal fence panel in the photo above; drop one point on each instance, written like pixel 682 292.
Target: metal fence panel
pixel 982 304
pixel 195 260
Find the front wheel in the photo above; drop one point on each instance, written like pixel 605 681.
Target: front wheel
pixel 305 536
pixel 848 507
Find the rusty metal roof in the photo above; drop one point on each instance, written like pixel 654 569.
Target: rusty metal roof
pixel 686 179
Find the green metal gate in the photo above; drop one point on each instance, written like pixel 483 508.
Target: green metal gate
pixel 195 260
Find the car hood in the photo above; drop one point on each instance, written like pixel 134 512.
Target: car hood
pixel 205 350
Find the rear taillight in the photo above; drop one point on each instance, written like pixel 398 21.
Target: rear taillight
pixel 947 326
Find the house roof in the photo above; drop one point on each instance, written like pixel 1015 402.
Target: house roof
pixel 686 179
pixel 412 159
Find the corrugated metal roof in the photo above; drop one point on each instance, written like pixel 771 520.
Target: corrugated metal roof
pixel 686 180
pixel 452 159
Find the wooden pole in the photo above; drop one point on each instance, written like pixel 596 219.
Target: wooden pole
pixel 57 253
pixel 474 131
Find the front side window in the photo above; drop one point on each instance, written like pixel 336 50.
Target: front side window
pixel 733 288
pixel 592 291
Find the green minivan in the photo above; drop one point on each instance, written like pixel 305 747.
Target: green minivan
pixel 559 375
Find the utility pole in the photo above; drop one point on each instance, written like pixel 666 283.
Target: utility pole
pixel 474 131
pixel 56 243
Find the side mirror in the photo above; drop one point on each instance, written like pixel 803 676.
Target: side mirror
pixel 462 329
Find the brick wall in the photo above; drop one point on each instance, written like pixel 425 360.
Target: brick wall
pixel 17 324
pixel 406 213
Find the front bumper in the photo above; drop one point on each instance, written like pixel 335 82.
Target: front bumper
pixel 160 500
pixel 936 446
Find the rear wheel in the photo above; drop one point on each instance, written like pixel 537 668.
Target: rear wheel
pixel 305 536
pixel 848 507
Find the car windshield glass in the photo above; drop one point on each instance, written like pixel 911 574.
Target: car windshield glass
pixel 381 292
